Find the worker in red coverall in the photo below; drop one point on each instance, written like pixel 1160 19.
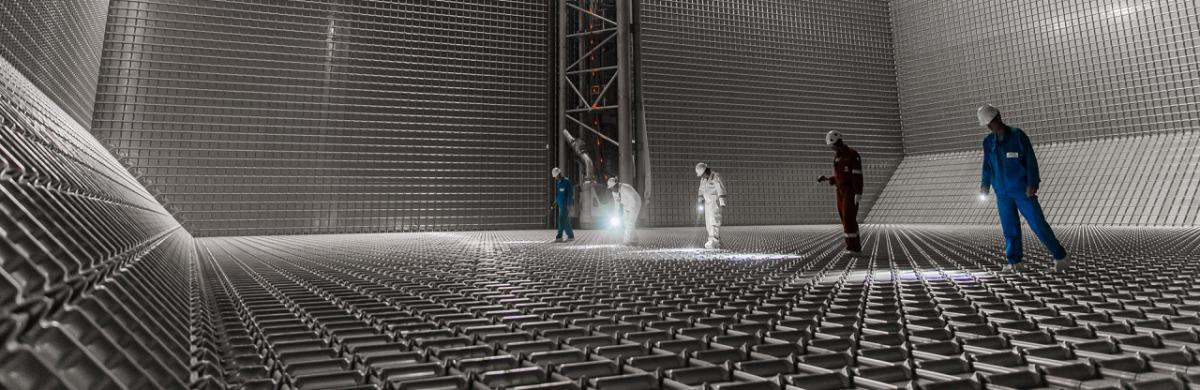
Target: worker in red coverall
pixel 848 178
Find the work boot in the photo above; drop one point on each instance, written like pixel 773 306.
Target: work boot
pixel 1061 264
pixel 710 244
pixel 569 239
pixel 1011 268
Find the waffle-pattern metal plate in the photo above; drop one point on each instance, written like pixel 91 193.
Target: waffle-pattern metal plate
pixel 1147 180
pixel 751 87
pixel 781 308
pixel 94 273
pixel 56 45
pixel 323 116
pixel 1065 70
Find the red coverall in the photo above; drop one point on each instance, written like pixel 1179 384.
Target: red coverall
pixel 848 178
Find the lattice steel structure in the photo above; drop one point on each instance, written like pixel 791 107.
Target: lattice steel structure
pixel 593 59
pixel 261 117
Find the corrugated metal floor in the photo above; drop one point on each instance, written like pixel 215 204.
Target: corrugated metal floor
pixel 782 306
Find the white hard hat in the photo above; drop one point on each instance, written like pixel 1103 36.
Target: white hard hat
pixel 833 137
pixel 555 172
pixel 612 182
pixel 700 168
pixel 986 114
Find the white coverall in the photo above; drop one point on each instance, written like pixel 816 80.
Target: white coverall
pixel 630 203
pixel 712 189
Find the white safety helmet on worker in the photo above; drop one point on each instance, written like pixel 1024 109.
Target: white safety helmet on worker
pixel 612 183
pixel 833 137
pixel 555 172
pixel 987 114
pixel 700 168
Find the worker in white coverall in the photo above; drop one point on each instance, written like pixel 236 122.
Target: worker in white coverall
pixel 711 199
pixel 629 203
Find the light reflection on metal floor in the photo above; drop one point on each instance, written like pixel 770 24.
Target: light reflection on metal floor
pixel 782 307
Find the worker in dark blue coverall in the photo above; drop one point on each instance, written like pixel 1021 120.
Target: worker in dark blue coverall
pixel 1011 168
pixel 564 198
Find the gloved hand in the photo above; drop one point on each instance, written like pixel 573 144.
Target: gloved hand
pixel 822 179
pixel 857 198
pixel 552 206
pixel 722 201
pixel 1031 192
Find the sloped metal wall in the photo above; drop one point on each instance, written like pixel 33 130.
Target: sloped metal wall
pixel 1146 180
pixel 56 45
pixel 1107 90
pixel 268 117
pixel 751 88
pixel 93 271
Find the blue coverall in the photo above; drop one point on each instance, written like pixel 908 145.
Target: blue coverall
pixel 564 197
pixel 1010 167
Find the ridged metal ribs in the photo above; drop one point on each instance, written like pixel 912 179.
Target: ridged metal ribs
pixel 751 88
pixel 94 273
pixel 1105 89
pixel 268 117
pixel 1147 180
pixel 56 45
pixel 783 308
pixel 1065 70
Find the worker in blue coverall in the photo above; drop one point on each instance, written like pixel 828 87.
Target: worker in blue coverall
pixel 564 198
pixel 1010 167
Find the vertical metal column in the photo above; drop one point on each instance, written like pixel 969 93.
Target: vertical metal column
pixel 624 133
pixel 638 105
pixel 561 77
pixel 330 200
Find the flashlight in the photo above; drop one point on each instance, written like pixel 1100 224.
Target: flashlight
pixel 699 209
pixel 983 197
pixel 614 222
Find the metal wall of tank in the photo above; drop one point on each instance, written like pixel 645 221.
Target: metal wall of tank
pixel 56 45
pixel 270 117
pixel 94 272
pixel 1107 90
pixel 751 88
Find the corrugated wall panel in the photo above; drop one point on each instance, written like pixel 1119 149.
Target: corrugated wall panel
pixel 1064 70
pixel 751 87
pixel 56 45
pixel 1145 180
pixel 81 240
pixel 269 116
pixel 1107 90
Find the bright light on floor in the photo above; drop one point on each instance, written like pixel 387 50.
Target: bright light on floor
pixel 590 247
pixel 719 255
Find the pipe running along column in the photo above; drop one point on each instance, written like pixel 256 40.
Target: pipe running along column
pixel 626 171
